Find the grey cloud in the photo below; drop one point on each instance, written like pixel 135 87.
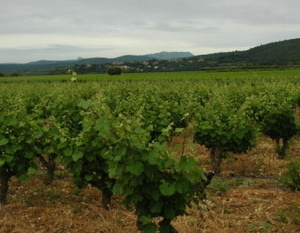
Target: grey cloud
pixel 185 23
pixel 38 16
pixel 183 26
pixel 54 52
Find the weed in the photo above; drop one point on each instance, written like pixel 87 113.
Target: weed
pixel 261 227
pixel 271 181
pixel 76 191
pixel 256 201
pixel 46 192
pixel 289 215
pixel 241 181
pixel 28 202
pixel 77 208
pixel 227 211
pixel 218 186
pixel 61 174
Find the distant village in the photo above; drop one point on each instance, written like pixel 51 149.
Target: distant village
pixel 169 65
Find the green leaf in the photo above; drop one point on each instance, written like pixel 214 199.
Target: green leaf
pixel 88 177
pixel 2 162
pixel 77 155
pixel 153 157
pixel 167 189
pixel 102 125
pixel 179 130
pixel 3 141
pixel 85 104
pixel 169 211
pixel 182 185
pixel 29 155
pixel 9 158
pixel 155 194
pixel 119 153
pixel 113 171
pixel 187 164
pixel 12 122
pixel 31 170
pixel 135 198
pixel 150 228
pixel 13 149
pixel 38 134
pixel 135 167
pixel 156 206
pixel 145 220
pixel 68 152
pixel 118 188
pixel 137 180
pixel 22 177
pixel 106 153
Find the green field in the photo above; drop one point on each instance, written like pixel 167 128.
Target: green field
pixel 290 73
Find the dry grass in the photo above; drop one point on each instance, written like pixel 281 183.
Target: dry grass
pixel 254 203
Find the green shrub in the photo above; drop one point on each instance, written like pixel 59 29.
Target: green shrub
pixel 291 178
pixel 281 126
pixel 115 70
pixel 223 128
pixel 275 115
pixel 14 74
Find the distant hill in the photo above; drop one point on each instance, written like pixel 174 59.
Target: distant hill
pixel 49 65
pixel 287 51
pixel 282 54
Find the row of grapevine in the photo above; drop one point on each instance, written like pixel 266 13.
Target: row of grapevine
pixel 115 136
pixel 117 152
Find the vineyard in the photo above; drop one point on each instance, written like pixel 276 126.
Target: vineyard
pixel 165 152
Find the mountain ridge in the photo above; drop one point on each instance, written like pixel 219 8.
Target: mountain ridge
pixel 52 64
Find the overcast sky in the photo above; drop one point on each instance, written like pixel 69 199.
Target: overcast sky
pixel 66 29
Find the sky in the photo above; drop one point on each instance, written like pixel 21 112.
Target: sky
pixel 32 30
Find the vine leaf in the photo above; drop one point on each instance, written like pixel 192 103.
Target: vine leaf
pixel 135 167
pixel 167 189
pixel 77 155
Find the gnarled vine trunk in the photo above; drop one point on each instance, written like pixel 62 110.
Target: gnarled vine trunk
pixel 281 148
pixel 106 192
pixel 165 226
pixel 50 165
pixel 216 160
pixel 4 186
